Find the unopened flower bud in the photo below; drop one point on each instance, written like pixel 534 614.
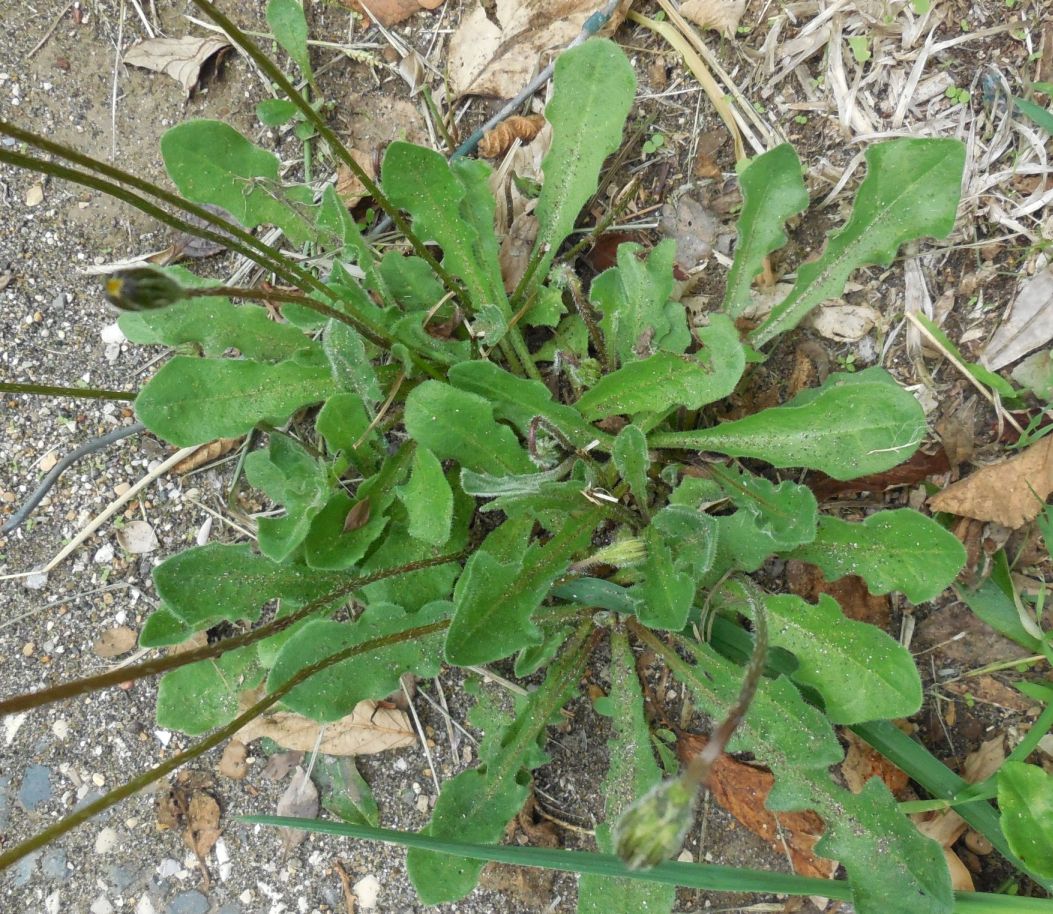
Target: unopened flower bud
pixel 142 289
pixel 653 829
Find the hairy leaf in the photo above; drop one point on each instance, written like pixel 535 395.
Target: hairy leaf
pixel 666 379
pixel 631 772
pixel 911 190
pixel 289 25
pixel 593 91
pixel 665 594
pixel 855 424
pixel 428 499
pixel 346 351
pixel 631 458
pixel 772 192
pixel 1025 796
pixel 210 162
pixel 457 425
pixel 194 401
pixel 415 646
pixel 890 550
pixel 204 695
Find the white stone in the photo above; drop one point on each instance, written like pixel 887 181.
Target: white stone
pixel 101 905
pixel 145 906
pixel 105 841
pixel 366 891
pixel 60 728
pixel 104 555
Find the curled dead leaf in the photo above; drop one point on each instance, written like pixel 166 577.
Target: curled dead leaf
pixel 720 15
pixel 499 140
pixel 205 454
pixel 233 763
pixel 137 537
pixel 349 188
pixel 1011 492
pixel 181 58
pixel 515 249
pixel 843 323
pixel 498 56
pixel 1030 323
pixel 391 12
pixel 365 730
pixel 300 800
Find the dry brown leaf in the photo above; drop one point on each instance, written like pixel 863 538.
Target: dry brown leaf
pixel 957 431
pixel 357 516
pixel 515 249
pixel 181 58
pixel 1011 492
pixel 349 188
pixel 693 226
pixel 990 691
pixel 1030 323
pixel 851 593
pixel 300 800
pixel 391 12
pixel 497 57
pixel 920 466
pixel 115 641
pixel 720 15
pixel 366 730
pixel 202 826
pixel 743 790
pixel 232 764
pixel 842 322
pixel 280 764
pixel 499 140
pixel 863 762
pixel 205 454
pixel 137 537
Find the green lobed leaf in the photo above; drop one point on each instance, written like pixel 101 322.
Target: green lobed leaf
pixel 772 192
pixel 890 550
pixel 631 772
pixel 665 379
pixel 478 209
pixel 496 594
pixel 855 424
pixel 222 582
pixel 411 282
pixel 215 325
pixel 785 514
pixel 416 645
pixel 477 804
pixel 428 499
pixel 519 401
pixel 421 182
pixel 194 401
pixel 861 673
pixel 593 89
pixel 293 478
pixel 892 867
pixel 289 25
pixel 210 162
pixel 633 299
pixel 631 458
pixel 204 695
pixel 911 190
pixel 1025 797
pixel 343 421
pixel 274 112
pixel 163 628
pixel 458 425
pixel 665 594
pixel 691 535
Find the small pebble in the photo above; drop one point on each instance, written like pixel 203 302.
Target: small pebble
pixel 36 787
pixel 366 891
pixel 54 865
pixel 36 581
pixel 24 869
pixel 168 867
pixel 145 906
pixel 101 905
pixel 104 555
pixel 105 841
pixel 120 876
pixel 192 902
pixel 60 728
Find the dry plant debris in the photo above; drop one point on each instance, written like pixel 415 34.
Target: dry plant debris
pixel 233 763
pixel 391 12
pixel 300 799
pixel 205 455
pixel 181 58
pixel 1011 492
pixel 115 641
pixel 1029 326
pixel 496 52
pixel 720 15
pixel 367 730
pixel 499 140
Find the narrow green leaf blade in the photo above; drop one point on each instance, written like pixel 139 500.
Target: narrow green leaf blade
pixel 1025 796
pixel 855 424
pixel 631 458
pixel 593 89
pixel 457 425
pixel 194 401
pixel 289 25
pixel 890 550
pixel 772 192
pixel 666 379
pixel 632 771
pixel 911 191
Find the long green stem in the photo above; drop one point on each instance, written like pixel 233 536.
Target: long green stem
pixel 50 390
pixel 163 664
pixel 263 254
pixel 67 824
pixel 333 141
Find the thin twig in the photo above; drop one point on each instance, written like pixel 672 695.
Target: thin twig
pixel 51 30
